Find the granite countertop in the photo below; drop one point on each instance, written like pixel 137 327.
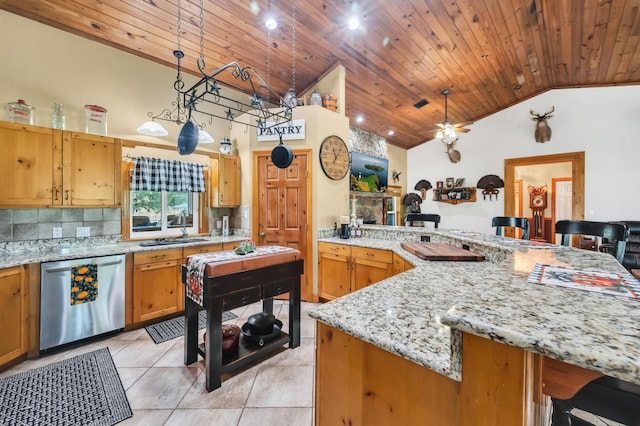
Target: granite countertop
pixel 42 252
pixel 420 314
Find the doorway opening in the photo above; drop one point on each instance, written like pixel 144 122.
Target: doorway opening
pixel 512 202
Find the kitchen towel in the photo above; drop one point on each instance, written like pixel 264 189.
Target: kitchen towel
pixel 84 284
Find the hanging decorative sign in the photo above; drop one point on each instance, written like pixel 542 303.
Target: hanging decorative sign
pixel 289 130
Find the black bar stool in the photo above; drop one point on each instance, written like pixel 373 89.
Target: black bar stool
pixel 419 217
pixel 500 222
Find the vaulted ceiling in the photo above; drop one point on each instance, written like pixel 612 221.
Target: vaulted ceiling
pixel 490 54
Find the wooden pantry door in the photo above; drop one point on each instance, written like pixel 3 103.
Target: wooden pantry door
pixel 281 203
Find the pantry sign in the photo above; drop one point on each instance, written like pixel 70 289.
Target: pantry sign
pixel 289 130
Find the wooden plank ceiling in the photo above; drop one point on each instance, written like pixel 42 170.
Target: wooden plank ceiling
pixel 490 54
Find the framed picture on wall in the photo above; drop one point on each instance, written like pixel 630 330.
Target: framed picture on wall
pixel 368 173
pixel 450 182
pixel 439 184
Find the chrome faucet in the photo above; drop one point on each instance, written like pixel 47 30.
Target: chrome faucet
pixel 184 224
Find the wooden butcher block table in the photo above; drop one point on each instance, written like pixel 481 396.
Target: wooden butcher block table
pixel 438 251
pixel 225 280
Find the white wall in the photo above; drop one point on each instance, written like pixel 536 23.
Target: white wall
pixel 602 122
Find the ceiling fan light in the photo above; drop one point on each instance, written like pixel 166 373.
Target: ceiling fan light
pixel 204 137
pixel 152 128
pixel 271 24
pixel 439 135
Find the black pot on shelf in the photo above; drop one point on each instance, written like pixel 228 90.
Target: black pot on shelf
pixel 261 323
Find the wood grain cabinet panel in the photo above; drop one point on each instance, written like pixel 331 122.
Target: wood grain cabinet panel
pixel 91 171
pixel 225 181
pixel 343 269
pixel 27 162
pixel 157 286
pixel 13 314
pixel 54 168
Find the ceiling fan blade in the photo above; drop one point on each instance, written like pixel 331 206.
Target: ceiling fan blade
pixel 463 124
pixel 461 130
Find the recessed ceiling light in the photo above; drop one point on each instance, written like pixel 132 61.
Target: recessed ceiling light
pixel 271 24
pixel 359 119
pixel 354 23
pixel 391 133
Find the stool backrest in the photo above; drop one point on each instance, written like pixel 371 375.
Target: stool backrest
pixel 419 217
pixel 519 222
pixel 616 234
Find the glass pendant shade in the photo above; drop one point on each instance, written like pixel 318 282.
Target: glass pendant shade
pixel 204 137
pixel 290 98
pixel 152 128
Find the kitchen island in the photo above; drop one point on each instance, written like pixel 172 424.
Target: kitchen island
pixel 456 341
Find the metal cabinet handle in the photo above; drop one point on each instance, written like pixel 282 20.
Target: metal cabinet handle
pixel 67 195
pixel 55 191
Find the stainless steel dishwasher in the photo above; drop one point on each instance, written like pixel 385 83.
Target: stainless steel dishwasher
pixel 80 298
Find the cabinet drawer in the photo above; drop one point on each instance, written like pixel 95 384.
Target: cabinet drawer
pixel 275 289
pixel 188 251
pixel 241 298
pixel 334 248
pixel 157 256
pixel 378 255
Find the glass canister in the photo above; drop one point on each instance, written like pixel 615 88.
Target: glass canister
pixel 20 112
pixel 315 98
pixel 95 119
pixel 57 119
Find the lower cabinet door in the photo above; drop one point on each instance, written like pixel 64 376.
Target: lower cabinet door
pixel 157 290
pixel 335 279
pixel 13 314
pixel 367 272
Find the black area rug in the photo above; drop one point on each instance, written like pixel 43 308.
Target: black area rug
pixel 83 390
pixel 170 329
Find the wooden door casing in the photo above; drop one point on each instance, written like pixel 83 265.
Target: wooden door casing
pixel 282 204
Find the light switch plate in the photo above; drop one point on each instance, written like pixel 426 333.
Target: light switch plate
pixel 83 231
pixel 218 224
pixel 57 232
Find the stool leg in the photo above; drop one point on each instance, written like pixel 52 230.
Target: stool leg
pixel 561 412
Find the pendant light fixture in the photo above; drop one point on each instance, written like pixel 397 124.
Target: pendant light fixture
pixel 290 98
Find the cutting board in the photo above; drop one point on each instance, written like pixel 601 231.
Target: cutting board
pixel 438 251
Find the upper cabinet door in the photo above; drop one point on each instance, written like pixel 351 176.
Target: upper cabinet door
pixel 27 165
pixel 91 171
pixel 225 181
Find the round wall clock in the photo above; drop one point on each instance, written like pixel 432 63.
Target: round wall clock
pixel 334 157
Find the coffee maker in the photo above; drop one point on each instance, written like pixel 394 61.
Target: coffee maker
pixel 344 230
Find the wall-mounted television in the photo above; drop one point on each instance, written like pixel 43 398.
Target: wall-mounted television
pixel 369 173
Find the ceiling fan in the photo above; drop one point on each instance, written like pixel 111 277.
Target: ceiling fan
pixel 447 131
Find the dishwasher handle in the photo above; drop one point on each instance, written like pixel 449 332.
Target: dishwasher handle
pixel 68 268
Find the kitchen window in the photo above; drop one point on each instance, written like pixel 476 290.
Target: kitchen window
pixel 166 198
pixel 163 214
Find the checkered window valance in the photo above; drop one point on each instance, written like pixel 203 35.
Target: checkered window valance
pixel 155 174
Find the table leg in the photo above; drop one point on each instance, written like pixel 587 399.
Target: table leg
pixel 213 345
pixel 190 331
pixel 294 315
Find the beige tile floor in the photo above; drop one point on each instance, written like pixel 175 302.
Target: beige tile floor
pixel 163 391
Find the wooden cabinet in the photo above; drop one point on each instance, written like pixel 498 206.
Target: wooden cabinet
pixel 26 165
pixel 400 264
pixel 53 168
pixel 90 172
pixel 334 271
pixel 157 287
pixel 200 249
pixel 225 181
pixel 369 266
pixel 13 313
pixel 343 269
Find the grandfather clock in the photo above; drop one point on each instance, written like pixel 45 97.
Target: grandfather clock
pixel 538 204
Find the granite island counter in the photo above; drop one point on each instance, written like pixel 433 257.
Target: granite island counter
pixel 432 313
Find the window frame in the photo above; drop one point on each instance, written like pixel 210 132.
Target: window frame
pixel 165 231
pixel 126 217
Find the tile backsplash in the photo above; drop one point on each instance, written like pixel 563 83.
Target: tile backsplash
pixel 38 224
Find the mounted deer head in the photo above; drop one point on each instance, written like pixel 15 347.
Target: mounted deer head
pixel 454 154
pixel 543 131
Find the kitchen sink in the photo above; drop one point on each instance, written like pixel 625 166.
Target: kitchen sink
pixel 170 241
